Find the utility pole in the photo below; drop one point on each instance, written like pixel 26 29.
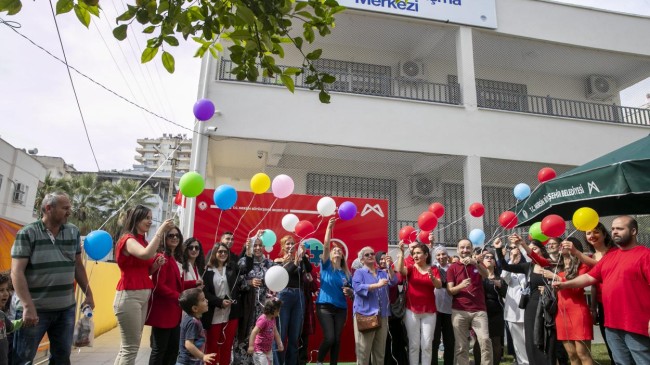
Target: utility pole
pixel 173 160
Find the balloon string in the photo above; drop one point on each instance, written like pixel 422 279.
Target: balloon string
pixel 264 216
pixel 242 216
pixel 216 232
pixel 454 222
pixel 302 238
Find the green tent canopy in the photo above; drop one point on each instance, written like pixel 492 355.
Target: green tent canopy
pixel 616 183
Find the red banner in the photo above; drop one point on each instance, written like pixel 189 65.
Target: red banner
pixel 253 212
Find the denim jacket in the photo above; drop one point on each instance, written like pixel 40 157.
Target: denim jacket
pixel 367 301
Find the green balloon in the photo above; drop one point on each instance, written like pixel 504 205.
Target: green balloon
pixel 535 231
pixel 191 184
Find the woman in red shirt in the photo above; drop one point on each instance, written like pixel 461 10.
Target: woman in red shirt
pixel 134 256
pixel 420 315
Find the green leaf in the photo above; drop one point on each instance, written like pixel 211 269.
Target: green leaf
pixel 308 33
pixel 293 71
pixel 127 15
pixel 94 10
pixel 245 14
pixel 298 41
pixel 64 6
pixel 288 82
pixel 83 15
pixel 148 54
pixel 149 29
pixel 301 5
pixel 168 62
pixel 218 47
pixel 314 55
pixel 328 79
pixel 306 14
pixel 12 7
pixel 324 97
pixel 120 32
pixel 171 40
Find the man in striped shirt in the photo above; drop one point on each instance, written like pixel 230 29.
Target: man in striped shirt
pixel 46 259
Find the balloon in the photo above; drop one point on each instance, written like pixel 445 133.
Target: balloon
pixel 289 222
pixel 427 221
pixel 268 248
pixel 178 199
pixel 535 232
pixel 98 244
pixel 305 229
pixel 268 238
pixel 553 225
pixel 407 234
pixel 508 219
pixel 276 278
pixel 546 174
pixel 477 237
pixel 191 184
pixel 260 183
pixel 521 191
pixel 476 209
pixel 282 186
pixel 437 209
pixel 225 197
pixel 585 219
pixel 204 109
pixel 423 236
pixel 347 211
pixel 326 206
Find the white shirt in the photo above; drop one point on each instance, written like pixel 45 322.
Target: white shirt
pixel 220 282
pixel 516 283
pixel 443 299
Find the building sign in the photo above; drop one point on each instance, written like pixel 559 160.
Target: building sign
pixel 480 13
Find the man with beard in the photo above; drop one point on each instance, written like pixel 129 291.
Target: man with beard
pixel 465 283
pixel 625 278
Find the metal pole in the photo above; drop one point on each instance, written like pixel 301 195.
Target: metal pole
pixel 172 182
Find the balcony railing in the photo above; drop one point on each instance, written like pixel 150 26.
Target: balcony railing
pixel 420 90
pixel 366 85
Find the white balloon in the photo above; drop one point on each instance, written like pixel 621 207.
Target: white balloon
pixel 276 278
pixel 326 206
pixel 289 222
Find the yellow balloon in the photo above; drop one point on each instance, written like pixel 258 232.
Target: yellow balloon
pixel 585 219
pixel 260 183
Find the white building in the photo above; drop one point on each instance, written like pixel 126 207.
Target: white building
pixel 456 110
pixel 20 176
pixel 56 167
pixel 155 151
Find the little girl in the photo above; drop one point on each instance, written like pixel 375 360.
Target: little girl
pixel 261 339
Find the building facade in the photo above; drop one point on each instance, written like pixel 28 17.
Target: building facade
pixel 154 152
pixel 426 109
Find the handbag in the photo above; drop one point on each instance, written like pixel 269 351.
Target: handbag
pixel 398 307
pixel 525 293
pixel 367 323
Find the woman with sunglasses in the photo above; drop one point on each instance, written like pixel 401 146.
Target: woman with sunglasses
pixel 164 311
pixel 192 265
pixel 513 315
pixel 222 282
pixel 135 258
pixel 253 266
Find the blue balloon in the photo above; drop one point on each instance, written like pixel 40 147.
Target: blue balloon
pixel 98 244
pixel 268 238
pixel 477 237
pixel 521 191
pixel 225 197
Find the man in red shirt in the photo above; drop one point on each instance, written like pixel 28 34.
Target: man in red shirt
pixel 465 283
pixel 625 278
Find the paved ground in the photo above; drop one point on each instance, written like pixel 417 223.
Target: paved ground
pixel 106 347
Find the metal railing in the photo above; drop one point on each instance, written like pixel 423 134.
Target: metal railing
pixel 547 105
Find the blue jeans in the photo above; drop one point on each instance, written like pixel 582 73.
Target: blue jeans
pixel 59 326
pixel 292 315
pixel 627 347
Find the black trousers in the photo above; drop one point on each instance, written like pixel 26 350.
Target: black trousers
pixel 443 330
pixel 396 343
pixel 332 320
pixel 164 345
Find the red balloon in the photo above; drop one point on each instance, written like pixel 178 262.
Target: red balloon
pixel 407 234
pixel 476 209
pixel 305 229
pixel 423 236
pixel 546 174
pixel 437 209
pixel 427 221
pixel 508 219
pixel 553 225
pixel 179 198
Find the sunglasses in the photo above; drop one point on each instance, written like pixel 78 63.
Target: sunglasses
pixel 174 235
pixel 369 254
pixel 193 248
pixel 221 252
pixel 512 247
pixel 488 257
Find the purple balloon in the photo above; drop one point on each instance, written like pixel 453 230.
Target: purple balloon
pixel 347 211
pixel 203 109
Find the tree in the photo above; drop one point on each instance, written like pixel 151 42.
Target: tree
pixel 49 185
pixel 85 195
pixel 118 197
pixel 258 30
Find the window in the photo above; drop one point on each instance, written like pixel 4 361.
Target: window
pixel 502 95
pixel 20 193
pixel 2 178
pixel 358 78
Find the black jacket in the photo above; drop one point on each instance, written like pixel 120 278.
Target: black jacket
pixel 234 277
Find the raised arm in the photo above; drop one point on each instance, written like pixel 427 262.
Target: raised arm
pixel 589 261
pixel 134 248
pixel 326 242
pixel 399 266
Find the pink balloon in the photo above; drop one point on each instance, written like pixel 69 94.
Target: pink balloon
pixel 282 186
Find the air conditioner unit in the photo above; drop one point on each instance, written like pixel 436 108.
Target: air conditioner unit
pixel 411 70
pixel 424 187
pixel 600 87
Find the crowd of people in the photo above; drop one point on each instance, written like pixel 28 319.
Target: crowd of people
pixel 217 309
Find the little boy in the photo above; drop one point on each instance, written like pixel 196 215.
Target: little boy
pixel 6 326
pixel 261 341
pixel 192 342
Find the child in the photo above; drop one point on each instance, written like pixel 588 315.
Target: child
pixel 6 326
pixel 261 339
pixel 192 342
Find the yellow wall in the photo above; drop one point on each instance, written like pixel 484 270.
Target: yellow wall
pixel 103 280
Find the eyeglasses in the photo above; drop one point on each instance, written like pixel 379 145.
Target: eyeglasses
pixel 369 254
pixel 488 257
pixel 512 247
pixel 174 235
pixel 193 248
pixel 222 252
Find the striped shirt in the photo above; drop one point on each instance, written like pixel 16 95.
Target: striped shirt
pixel 51 267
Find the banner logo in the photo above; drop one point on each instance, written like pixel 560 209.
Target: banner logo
pixel 372 208
pixel 592 186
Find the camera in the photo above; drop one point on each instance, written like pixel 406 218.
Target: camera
pixel 260 154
